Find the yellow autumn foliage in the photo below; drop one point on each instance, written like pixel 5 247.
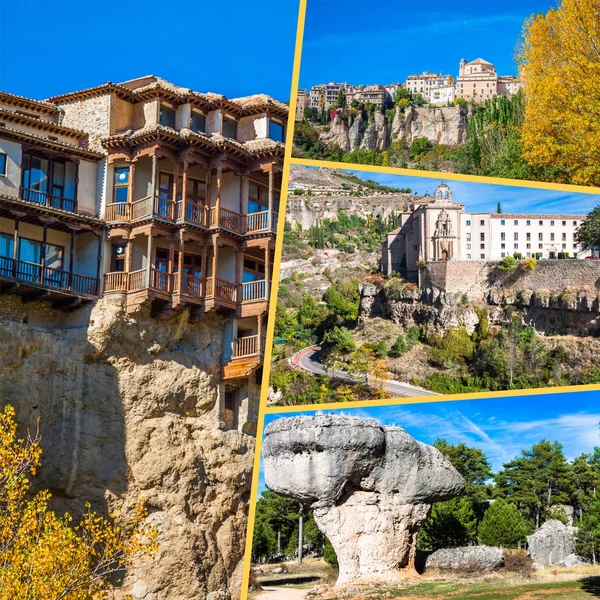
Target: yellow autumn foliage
pixel 559 63
pixel 44 556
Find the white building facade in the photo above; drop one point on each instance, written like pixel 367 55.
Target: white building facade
pixel 438 228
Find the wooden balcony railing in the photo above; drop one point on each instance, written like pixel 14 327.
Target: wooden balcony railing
pixel 192 212
pixel 245 346
pixel 190 285
pixel 136 280
pixel 60 202
pixel 118 211
pixel 161 281
pixel 58 279
pixel 254 290
pixel 224 290
pixel 256 222
pixel 115 282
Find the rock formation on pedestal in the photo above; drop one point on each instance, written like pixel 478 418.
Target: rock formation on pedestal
pixel 551 544
pixel 370 487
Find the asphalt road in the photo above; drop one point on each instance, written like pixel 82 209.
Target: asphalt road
pixel 308 360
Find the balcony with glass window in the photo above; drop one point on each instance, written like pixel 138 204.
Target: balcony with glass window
pixel 49 181
pixel 186 272
pixel 54 262
pixel 189 194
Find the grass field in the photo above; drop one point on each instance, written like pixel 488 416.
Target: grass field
pixel 548 584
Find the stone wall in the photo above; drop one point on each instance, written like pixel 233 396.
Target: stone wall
pixel 478 278
pixel 132 407
pixel 91 115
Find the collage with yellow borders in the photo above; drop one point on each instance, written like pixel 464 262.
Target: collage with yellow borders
pixel 430 427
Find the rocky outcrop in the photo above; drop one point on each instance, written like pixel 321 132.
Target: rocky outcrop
pixel 370 487
pixel 338 134
pixel 551 544
pixel 468 558
pixel 446 125
pixel 131 407
pixel 558 297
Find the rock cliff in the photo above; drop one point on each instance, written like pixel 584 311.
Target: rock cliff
pixel 447 125
pixel 132 407
pixel 370 487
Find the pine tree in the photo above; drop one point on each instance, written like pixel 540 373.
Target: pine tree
pixel 502 525
pixel 451 524
pixel 499 209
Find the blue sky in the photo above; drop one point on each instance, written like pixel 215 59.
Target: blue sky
pixel 484 197
pixel 361 41
pixel 236 49
pixel 501 427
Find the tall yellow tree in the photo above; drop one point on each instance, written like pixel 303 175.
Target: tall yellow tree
pixel 44 556
pixel 559 63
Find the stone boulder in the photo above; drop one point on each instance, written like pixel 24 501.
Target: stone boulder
pixel 468 558
pixel 371 487
pixel 551 544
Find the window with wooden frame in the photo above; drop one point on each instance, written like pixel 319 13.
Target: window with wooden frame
pixel 198 123
pixel 192 264
pixel 121 184
pixel 166 116
pixel 118 257
pixel 258 198
pixel 254 270
pixel 3 162
pixel 276 131
pixel 229 129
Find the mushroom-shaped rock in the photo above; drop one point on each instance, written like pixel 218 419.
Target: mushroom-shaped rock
pixel 371 487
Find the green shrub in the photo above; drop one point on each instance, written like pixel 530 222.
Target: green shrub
pixel 508 263
pixel 399 347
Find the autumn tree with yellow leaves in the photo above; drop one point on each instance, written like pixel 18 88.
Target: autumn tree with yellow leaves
pixel 559 63
pixel 44 556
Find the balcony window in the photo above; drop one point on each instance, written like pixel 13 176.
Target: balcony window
pixel 53 179
pixel 253 270
pixel 2 163
pixel 276 132
pixel 230 129
pixel 198 123
pixel 6 245
pixel 121 184
pixel 503 236
pixel 258 198
pixel 119 252
pixel 167 117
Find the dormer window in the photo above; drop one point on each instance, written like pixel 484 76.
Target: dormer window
pixel 167 117
pixel 230 129
pixel 198 123
pixel 276 132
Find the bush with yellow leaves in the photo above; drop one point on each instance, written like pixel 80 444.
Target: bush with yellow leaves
pixel 44 556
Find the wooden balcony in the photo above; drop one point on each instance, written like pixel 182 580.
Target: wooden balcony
pixel 246 357
pixel 137 280
pixel 50 200
pixel 36 281
pixel 245 346
pixel 190 285
pixel 139 210
pixel 186 211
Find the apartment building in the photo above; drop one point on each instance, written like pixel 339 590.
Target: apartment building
pixel 302 102
pixel 51 233
pixel 185 184
pixel 439 228
pixel 425 83
pixel 478 81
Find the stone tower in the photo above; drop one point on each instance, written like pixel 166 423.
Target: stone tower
pixel 461 70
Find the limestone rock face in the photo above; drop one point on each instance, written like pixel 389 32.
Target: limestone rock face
pixel 439 125
pixel 130 407
pixel 371 487
pixel 472 558
pixel 338 133
pixel 552 543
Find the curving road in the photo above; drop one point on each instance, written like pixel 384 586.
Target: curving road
pixel 309 360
